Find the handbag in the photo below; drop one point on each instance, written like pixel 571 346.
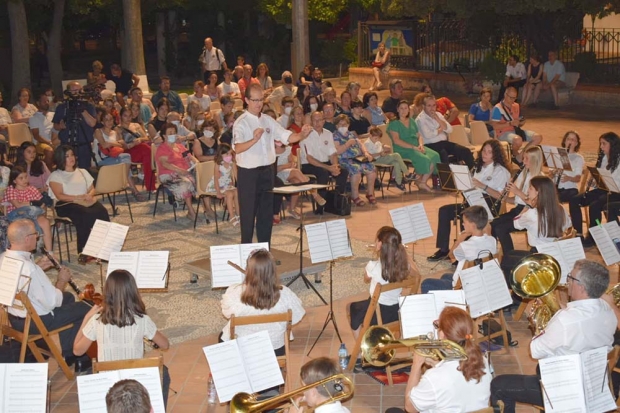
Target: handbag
pixel 337 204
pixel 377 64
pixel 113 151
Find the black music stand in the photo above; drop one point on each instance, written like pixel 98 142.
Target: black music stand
pixel 448 183
pixel 330 313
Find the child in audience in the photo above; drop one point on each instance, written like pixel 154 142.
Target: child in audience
pixel 225 174
pixel 314 371
pixel 287 109
pixel 382 154
pixel 472 243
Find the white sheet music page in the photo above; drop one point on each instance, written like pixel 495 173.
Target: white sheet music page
pixel 476 197
pixel 96 238
pixel 114 240
pixel 92 389
pixel 606 246
pixel 551 156
pixel 563 384
pixel 462 177
pixel 227 368
pixel 247 249
pixel 151 380
pixel 402 222
pixel 448 298
pixel 338 238
pixel 566 252
pixel 421 225
pixel 596 381
pixel 152 266
pixel 10 271
pixel 23 387
pixel 222 274
pixel 417 313
pixel 498 295
pixel 260 361
pixel 318 242
pixel 609 180
pixel 123 260
pixel 474 289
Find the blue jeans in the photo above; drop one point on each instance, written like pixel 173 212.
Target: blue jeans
pixel 27 212
pixel 432 284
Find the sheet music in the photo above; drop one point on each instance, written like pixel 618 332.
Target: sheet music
pixel 609 180
pixel 448 298
pixel 10 271
pixel 421 225
pixel 227 368
pixel 476 197
pixel 105 238
pixel 152 267
pixel 596 381
pixel 402 222
pixel 123 260
pixel 552 156
pixel 150 378
pixel 486 289
pixel 246 249
pixel 23 387
pixel 605 244
pixel 563 384
pixel 462 177
pixel 318 242
pixel 338 238
pixel 222 274
pixel 417 313
pixel 566 252
pixel 261 364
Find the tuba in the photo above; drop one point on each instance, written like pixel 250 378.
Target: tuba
pixel 614 291
pixel 379 347
pixel 536 277
pixel 247 403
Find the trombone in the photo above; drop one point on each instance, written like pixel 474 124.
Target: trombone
pixel 248 403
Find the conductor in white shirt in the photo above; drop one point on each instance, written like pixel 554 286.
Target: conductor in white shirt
pixel 587 322
pixel 254 139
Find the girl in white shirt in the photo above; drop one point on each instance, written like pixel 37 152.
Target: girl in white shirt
pixel 569 180
pixel 393 265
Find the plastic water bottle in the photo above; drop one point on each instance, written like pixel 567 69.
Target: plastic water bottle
pixel 212 393
pixel 343 356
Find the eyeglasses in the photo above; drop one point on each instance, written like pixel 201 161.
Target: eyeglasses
pixel 255 100
pixel 571 278
pixel 436 324
pixel 34 233
pixel 511 97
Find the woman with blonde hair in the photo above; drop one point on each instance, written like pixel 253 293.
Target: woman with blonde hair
pixel 380 65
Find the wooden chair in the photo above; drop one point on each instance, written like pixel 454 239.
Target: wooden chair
pixel 612 359
pixel 215 105
pixel 18 134
pixel 113 179
pixel 412 283
pixel 283 361
pixel 479 132
pixel 28 340
pixel 204 174
pixel 157 361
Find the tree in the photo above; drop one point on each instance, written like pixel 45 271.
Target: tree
pixel 132 41
pixel 54 47
pixel 20 45
pixel 321 10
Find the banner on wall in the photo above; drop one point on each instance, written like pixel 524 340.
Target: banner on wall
pixel 398 40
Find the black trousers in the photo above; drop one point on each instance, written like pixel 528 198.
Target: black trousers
pixel 322 176
pixel 83 219
pixel 447 148
pixel 503 225
pixel 566 195
pixel 513 388
pixel 70 312
pixel 510 261
pixel 516 85
pixel 254 187
pixel 447 214
pixel 596 200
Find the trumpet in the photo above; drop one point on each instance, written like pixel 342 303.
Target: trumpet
pixel 379 347
pixel 247 403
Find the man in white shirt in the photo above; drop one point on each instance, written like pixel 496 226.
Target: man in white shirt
pixel 319 157
pixel 587 322
pixel 435 129
pixel 212 60
pixel 516 76
pixel 41 125
pixel 55 306
pixel 286 89
pixel 228 87
pixel 254 139
pixel 554 76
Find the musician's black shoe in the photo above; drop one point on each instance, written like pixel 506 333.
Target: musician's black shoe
pixel 82 364
pixel 439 255
pixel 401 186
pixel 587 241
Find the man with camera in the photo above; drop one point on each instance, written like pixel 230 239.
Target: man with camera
pixel 75 118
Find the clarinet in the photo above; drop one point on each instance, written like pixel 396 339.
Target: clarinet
pixel 57 267
pixel 591 182
pixel 498 203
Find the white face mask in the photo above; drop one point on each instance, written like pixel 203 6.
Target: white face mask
pixel 176 122
pixel 208 133
pixel 314 106
pixel 200 122
pixel 171 138
pixel 344 131
pixel 50 99
pixel 288 110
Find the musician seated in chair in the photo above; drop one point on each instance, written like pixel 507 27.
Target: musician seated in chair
pixel 587 322
pixel 128 396
pixel 318 397
pixel 568 181
pixel 55 307
pixel 471 244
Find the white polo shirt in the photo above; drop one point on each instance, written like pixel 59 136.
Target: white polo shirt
pixel 576 162
pixel 263 152
pixel 428 128
pixel 495 176
pixel 319 146
pixel 204 101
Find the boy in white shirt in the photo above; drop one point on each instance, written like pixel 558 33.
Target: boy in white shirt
pixel 382 154
pixel 473 242
pixel 287 108
pixel 313 371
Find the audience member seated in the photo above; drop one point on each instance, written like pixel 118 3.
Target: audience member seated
pixel 260 293
pixel 534 83
pixel 372 111
pixel 136 145
pixel 194 118
pixel 310 105
pixel 173 168
pixel 96 79
pixel 41 125
pixel 23 110
pixel 73 190
pixel 262 75
pixel 199 96
pixel 161 116
pixel 409 143
pixel 382 154
pixel 302 93
pixel 481 111
pixel 136 116
pixel 354 89
pixel 237 73
pixel 390 104
pixel 183 134
pixel 247 79
pixel 227 105
pixel 329 112
pixel 38 172
pixel 358 123
pixel 392 265
pixel 145 106
pixel 305 77
pixel 228 87
pixel 380 66
pixel 5 121
pixel 344 108
pixel 112 108
pixel 445 107
pixel 164 91
pixel 124 81
pixel 211 88
pixel 229 121
pixel 317 82
pixel 52 99
pixel 120 324
pixel 554 76
pixel 287 89
pixel 328 96
pixel 204 147
pixel 516 75
pixel 568 182
pixel 286 104
pixel 128 396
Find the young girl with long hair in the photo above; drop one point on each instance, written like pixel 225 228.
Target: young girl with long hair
pixel 225 174
pixel 393 265
pixel 260 293
pixel 37 169
pixel 569 180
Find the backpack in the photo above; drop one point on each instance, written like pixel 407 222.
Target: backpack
pixel 494 326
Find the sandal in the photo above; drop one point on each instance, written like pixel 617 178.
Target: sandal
pixel 234 221
pixel 319 199
pixel 371 199
pixel 358 201
pixel 138 196
pixel 293 214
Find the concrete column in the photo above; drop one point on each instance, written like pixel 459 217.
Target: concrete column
pixel 300 50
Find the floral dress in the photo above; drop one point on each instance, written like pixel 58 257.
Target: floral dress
pixel 225 182
pixel 346 158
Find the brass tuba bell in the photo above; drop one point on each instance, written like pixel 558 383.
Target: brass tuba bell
pixel 614 291
pixel 536 277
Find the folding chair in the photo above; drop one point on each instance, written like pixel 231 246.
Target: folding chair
pixel 65 223
pixel 283 361
pixel 204 174
pixel 459 136
pixel 157 361
pixel 18 134
pixel 479 132
pixel 113 179
pixel 28 340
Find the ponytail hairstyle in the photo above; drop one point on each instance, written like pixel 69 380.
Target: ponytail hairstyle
pixel 393 257
pixel 551 215
pixel 458 326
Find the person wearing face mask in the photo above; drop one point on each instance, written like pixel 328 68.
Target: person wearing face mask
pixel 310 105
pixel 51 98
pixel 317 81
pixel 205 147
pixel 287 110
pixel 183 133
pixel 286 89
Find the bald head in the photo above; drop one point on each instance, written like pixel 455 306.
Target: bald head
pixel 18 232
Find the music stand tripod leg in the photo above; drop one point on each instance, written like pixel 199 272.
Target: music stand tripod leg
pixel 330 313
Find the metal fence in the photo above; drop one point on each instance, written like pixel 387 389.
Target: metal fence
pixel 596 56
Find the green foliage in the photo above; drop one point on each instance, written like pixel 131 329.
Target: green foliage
pixel 585 64
pixel 350 48
pixel 492 68
pixel 508 46
pixel 320 10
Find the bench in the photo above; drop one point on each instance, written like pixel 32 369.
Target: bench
pixel 565 92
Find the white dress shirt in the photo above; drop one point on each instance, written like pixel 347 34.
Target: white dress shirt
pixel 495 176
pixel 583 325
pixel 319 146
pixel 529 222
pixel 335 407
pixel 576 163
pixel 428 128
pixel 516 71
pixel 373 270
pixel 470 250
pixel 263 152
pixel 42 122
pixel 45 297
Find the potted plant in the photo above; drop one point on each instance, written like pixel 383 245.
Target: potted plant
pixel 492 71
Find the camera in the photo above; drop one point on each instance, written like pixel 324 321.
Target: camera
pixel 76 103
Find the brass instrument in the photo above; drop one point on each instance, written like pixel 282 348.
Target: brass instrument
pixel 247 403
pixel 614 291
pixel 536 277
pixel 378 347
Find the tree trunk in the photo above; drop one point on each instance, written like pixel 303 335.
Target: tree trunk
pixel 20 46
pixel 161 43
pixel 54 47
pixel 132 41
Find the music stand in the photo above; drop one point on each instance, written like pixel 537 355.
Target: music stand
pixel 447 178
pixel 330 313
pixel 556 159
pixel 291 190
